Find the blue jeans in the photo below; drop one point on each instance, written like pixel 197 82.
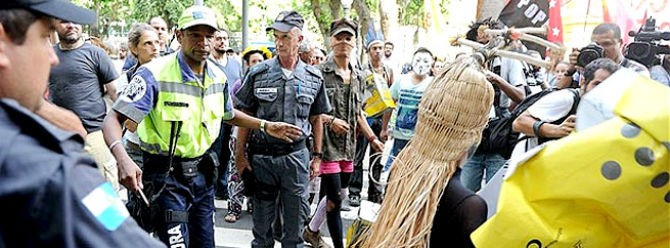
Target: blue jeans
pixel 473 170
pixel 398 145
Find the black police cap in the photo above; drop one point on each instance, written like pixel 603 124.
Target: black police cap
pixel 60 9
pixel 286 20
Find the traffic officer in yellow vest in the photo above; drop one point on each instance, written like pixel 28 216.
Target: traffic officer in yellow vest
pixel 282 89
pixel 179 101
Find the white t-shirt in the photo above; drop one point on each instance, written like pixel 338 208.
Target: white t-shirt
pixel 286 72
pixel 549 108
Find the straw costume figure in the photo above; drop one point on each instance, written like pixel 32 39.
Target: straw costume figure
pixel 452 115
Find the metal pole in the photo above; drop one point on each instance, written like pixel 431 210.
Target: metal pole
pixel 245 24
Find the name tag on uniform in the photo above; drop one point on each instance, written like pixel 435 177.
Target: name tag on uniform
pixel 106 206
pixel 266 90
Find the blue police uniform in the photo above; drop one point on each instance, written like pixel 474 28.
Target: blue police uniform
pixel 52 192
pixel 281 168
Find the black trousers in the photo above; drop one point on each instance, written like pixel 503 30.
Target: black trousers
pixel 356 182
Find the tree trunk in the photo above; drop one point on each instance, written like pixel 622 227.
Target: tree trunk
pixel 335 7
pixel 363 12
pixel 95 28
pixel 323 26
pixel 388 13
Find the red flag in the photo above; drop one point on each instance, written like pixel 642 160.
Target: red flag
pixel 621 17
pixel 555 23
pixel 607 17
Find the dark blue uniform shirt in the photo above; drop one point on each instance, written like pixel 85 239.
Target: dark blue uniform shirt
pixel 52 193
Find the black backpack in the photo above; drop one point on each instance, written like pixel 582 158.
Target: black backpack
pixel 498 136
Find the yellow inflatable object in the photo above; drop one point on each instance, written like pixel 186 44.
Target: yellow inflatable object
pixel 606 186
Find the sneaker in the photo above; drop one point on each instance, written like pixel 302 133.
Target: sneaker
pixel 314 239
pixel 354 200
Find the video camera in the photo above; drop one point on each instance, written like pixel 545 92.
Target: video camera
pixel 647 44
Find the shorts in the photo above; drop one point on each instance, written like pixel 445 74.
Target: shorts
pixel 332 167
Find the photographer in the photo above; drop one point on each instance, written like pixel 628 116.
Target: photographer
pixel 606 42
pixel 552 116
pixel 661 73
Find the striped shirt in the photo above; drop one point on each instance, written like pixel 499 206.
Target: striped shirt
pixel 407 95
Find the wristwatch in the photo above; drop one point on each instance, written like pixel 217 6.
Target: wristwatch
pixel 317 154
pixel 262 126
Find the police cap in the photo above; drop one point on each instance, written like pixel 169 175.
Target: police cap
pixel 60 9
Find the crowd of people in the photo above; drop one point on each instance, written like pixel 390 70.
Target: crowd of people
pixel 280 128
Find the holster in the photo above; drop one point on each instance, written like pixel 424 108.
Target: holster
pixel 209 166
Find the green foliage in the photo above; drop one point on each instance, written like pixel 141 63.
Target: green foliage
pixel 411 13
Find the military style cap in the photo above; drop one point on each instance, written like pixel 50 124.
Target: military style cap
pixel 343 25
pixel 286 20
pixel 60 9
pixel 197 15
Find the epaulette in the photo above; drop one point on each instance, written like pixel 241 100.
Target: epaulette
pixel 314 71
pixel 258 68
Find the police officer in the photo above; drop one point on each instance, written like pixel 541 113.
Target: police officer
pixel 52 193
pixel 282 89
pixel 179 102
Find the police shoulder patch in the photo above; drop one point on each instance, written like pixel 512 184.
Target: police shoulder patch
pixel 135 90
pixel 106 206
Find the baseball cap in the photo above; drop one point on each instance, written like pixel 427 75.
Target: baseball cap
pixel 197 15
pixel 286 20
pixel 343 25
pixel 60 9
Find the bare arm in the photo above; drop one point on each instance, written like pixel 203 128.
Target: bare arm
pixel 364 127
pixel 516 94
pixel 241 159
pixel 524 124
pixel 130 175
pixel 368 133
pixel 317 131
pixel 385 122
pixel 110 88
pixel 278 130
pixel 61 118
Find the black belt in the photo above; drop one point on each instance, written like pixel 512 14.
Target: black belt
pixel 277 149
pixel 159 163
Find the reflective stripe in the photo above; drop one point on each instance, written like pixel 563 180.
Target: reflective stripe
pixel 215 88
pixel 190 89
pixel 180 88
pixel 129 110
pixel 153 149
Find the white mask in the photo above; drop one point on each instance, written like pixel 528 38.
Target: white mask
pixel 421 63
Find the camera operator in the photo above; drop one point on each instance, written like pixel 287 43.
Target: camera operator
pixel 606 42
pixel 661 73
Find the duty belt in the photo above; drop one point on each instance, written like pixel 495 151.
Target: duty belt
pixel 277 149
pixel 160 163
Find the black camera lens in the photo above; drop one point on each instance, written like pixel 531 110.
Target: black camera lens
pixel 639 50
pixel 589 53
